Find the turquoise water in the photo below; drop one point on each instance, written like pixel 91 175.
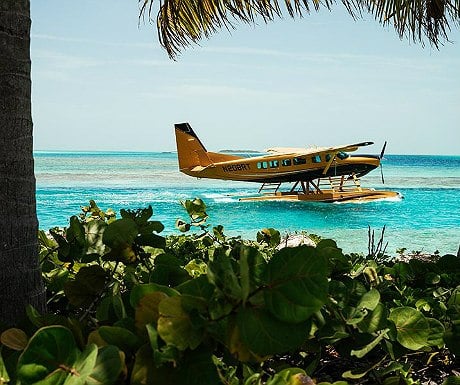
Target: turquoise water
pixel 427 219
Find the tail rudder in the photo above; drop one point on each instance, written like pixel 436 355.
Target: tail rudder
pixel 190 151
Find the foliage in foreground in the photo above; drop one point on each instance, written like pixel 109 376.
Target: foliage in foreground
pixel 130 306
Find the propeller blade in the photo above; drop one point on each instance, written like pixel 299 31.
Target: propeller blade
pixel 381 173
pixel 383 150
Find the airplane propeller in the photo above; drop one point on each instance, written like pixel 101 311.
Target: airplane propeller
pixel 380 158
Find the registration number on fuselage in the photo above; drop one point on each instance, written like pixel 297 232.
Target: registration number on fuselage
pixel 236 167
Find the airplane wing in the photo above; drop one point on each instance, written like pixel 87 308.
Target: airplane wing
pixel 286 150
pixel 349 147
pixel 314 150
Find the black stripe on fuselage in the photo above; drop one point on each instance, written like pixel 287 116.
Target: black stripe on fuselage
pixel 304 175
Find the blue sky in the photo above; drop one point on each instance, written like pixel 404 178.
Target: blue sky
pixel 101 81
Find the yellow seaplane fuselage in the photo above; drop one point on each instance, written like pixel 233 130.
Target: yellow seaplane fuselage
pixel 279 165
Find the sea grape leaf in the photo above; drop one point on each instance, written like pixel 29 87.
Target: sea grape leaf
pixel 152 240
pixel 119 306
pixel 88 283
pixel 198 361
pixel 355 316
pixel 14 338
pixel 218 232
pixel 297 284
pixel 175 325
pixel 94 231
pixel 375 320
pixel 168 271
pixel 196 209
pixel 412 327
pixel 143 370
pixel 64 246
pixel 453 302
pixel 265 335
pixel 147 310
pixel 196 368
pixel 108 366
pixel 138 291
pixel 452 380
pixel 121 337
pixel 52 358
pixel 163 354
pixel 252 266
pixel 451 338
pixel 369 300
pixel 76 232
pixel 337 262
pixel 198 287
pixel 435 338
pixel 221 273
pixel 237 347
pixel 120 233
pixel 270 236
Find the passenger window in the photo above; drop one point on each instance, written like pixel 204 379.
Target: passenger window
pixel 328 157
pixel 316 159
pixel 299 160
pixel 286 162
pixel 274 163
pixel 262 165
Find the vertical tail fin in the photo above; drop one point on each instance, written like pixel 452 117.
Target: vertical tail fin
pixel 190 150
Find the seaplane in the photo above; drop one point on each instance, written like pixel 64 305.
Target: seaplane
pixel 318 174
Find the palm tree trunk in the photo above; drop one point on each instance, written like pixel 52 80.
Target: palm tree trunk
pixel 20 279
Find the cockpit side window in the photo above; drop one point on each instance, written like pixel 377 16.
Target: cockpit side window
pixel 342 155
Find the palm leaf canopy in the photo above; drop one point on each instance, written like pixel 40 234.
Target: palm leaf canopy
pixel 183 22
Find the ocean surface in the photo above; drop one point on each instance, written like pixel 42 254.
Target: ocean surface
pixel 426 219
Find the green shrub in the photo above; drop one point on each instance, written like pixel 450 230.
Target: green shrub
pixel 130 306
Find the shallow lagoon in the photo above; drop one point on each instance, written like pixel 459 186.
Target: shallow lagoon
pixel 427 219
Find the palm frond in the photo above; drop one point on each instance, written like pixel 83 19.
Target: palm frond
pixel 184 22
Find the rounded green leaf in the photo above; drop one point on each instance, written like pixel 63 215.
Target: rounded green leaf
pixel 412 327
pixel 263 334
pixel 109 364
pixel 88 283
pixel 94 230
pixel 52 358
pixel 120 233
pixel 138 291
pixel 147 311
pixel 175 325
pixel 436 336
pixel 375 320
pixel 297 283
pixel 120 337
pixel 452 380
pixel 369 300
